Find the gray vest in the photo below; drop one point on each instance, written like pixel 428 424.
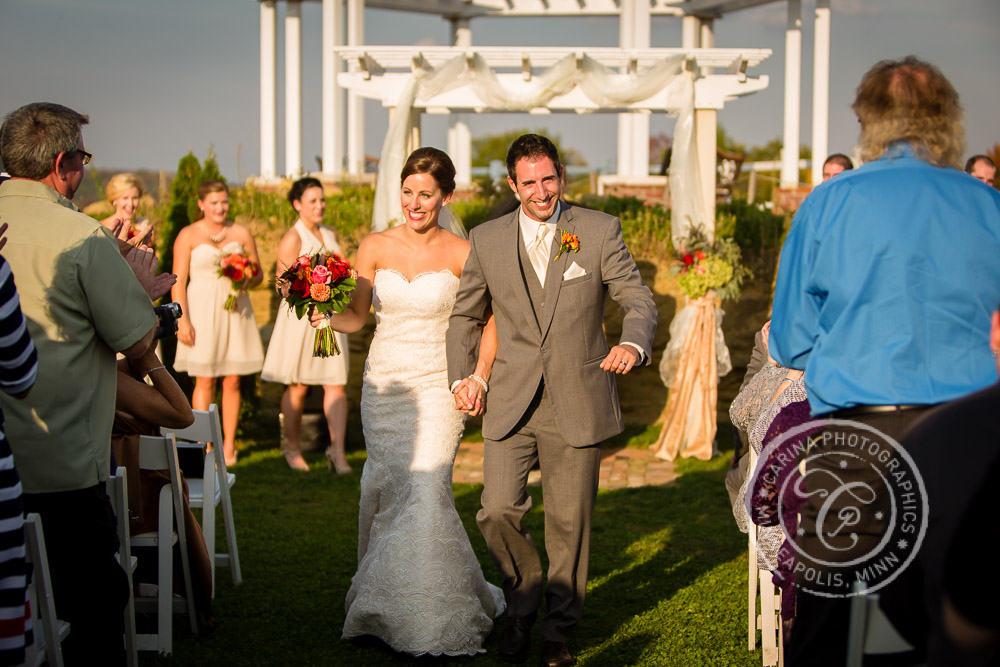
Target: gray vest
pixel 535 290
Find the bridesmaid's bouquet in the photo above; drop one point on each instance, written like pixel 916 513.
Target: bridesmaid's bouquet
pixel 237 267
pixel 324 282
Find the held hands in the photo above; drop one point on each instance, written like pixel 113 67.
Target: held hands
pixel 470 397
pixel 620 360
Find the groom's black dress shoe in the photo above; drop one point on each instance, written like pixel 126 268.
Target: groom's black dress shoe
pixel 556 654
pixel 515 640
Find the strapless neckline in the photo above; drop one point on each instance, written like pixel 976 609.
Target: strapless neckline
pixel 419 275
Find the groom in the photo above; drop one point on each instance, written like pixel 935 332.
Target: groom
pixel 552 397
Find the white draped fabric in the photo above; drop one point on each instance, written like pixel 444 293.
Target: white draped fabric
pixel 603 85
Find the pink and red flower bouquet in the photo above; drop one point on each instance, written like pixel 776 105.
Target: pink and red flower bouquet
pixel 237 267
pixel 323 282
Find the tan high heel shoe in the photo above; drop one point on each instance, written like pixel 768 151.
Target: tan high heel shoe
pixel 331 462
pixel 294 459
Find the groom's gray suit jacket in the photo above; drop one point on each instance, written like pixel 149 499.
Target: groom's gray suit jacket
pixel 554 335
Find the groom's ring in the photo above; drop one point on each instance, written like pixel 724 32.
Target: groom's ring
pixel 623 363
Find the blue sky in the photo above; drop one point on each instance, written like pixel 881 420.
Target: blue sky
pixel 161 78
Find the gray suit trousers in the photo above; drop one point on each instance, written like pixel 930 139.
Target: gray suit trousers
pixel 569 488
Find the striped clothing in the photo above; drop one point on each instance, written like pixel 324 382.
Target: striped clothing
pixel 18 370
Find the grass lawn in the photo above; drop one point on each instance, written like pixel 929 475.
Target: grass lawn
pixel 667 581
pixel 667 575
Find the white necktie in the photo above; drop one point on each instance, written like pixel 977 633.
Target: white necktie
pixel 539 252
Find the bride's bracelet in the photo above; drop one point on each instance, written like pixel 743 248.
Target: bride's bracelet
pixel 482 383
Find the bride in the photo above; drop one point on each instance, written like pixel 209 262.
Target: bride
pixel 419 587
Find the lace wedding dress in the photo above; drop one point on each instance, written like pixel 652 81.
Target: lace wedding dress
pixel 419 587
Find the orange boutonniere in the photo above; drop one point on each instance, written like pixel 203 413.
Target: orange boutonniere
pixel 567 243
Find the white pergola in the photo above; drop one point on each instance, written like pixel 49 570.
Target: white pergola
pixel 371 72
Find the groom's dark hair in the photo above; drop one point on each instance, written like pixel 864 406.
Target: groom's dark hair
pixel 532 146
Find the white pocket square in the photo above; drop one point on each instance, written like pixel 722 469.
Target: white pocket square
pixel 574 271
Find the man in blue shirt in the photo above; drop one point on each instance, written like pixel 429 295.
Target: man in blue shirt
pixel 884 293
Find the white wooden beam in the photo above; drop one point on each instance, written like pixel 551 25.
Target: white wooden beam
pixel 268 90
pixel 710 93
pixel 333 97
pixel 293 88
pixel 355 103
pixel 459 136
pixel 793 94
pixel 821 91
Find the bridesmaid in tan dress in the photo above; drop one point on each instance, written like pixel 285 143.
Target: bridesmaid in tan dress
pixel 290 353
pixel 213 342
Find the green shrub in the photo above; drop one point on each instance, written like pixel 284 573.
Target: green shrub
pixel 472 211
pixel 182 207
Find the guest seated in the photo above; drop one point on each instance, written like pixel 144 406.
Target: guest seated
pixel 737 473
pixel 141 409
pixel 747 408
pixel 771 501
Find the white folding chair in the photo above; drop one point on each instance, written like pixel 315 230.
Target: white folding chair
pixel 204 431
pixel 49 631
pixel 118 494
pixel 160 453
pixel 759 581
pixel 870 632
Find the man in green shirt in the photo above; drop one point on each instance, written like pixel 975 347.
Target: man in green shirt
pixel 82 304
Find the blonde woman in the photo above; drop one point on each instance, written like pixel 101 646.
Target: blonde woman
pixel 214 342
pixel 290 357
pixel 124 191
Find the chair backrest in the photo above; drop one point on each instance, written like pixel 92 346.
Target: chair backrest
pixel 118 495
pixel 44 602
pixel 159 452
pixel 206 428
pixel 870 632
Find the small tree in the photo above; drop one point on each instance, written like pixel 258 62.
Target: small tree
pixel 182 207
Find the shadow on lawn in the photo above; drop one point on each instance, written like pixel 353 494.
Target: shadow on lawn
pixel 647 544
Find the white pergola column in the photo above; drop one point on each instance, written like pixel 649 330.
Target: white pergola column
pixel 640 120
pixel 268 90
pixel 626 125
pixel 293 88
pixel 821 91
pixel 333 98
pixel 633 128
pixel 706 124
pixel 793 94
pixel 459 136
pixel 355 103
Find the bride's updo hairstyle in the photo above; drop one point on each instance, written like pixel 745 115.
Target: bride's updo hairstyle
pixel 431 161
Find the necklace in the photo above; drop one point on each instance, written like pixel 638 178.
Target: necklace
pixel 218 237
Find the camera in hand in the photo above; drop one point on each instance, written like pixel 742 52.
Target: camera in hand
pixel 167 314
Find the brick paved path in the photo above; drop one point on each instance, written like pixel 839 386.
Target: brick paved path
pixel 620 468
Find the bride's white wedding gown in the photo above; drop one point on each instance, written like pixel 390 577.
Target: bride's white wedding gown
pixel 419 587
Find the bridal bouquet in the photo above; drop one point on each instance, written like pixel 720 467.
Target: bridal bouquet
pixel 324 282
pixel 237 267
